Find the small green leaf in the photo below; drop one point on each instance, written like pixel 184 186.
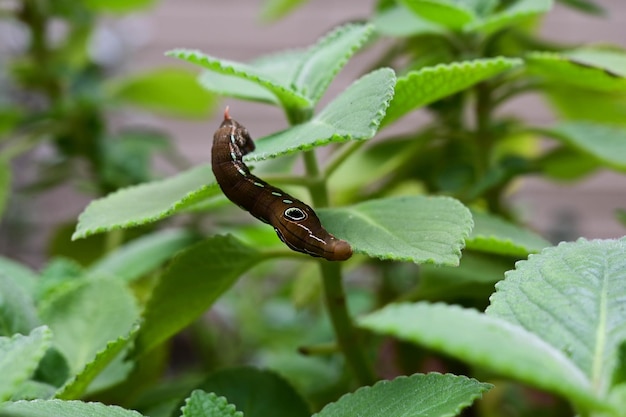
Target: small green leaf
pixel 494 235
pixel 418 88
pixel 611 60
pixel 87 316
pixel 416 395
pixel 19 357
pixel 240 88
pixel 567 164
pixel 605 143
pixel 195 278
pixel 256 393
pixel 453 14
pixel 516 13
pixel 146 203
pixel 324 60
pixel 353 115
pixel 58 408
pixel 560 69
pixel 17 308
pixel 118 6
pixel 202 404
pixel 399 22
pixel 486 342
pixel 276 9
pixel 586 6
pixel 416 228
pixel 287 96
pixel 572 297
pixel 171 90
pixel 142 255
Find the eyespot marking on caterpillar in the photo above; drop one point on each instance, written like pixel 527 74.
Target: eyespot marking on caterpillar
pixel 295 214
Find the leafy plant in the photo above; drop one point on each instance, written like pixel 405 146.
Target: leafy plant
pixel 408 205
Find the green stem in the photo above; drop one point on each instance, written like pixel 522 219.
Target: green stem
pixel 334 295
pixel 341 155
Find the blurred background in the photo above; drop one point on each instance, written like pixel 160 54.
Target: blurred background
pixel 123 44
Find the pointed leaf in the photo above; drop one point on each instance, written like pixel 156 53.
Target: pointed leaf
pixel 19 357
pixel 17 308
pixel 202 404
pixel 87 316
pixel 561 69
pixel 431 395
pixel 140 256
pixel 416 228
pixel 494 235
pixel 78 384
pixel 283 92
pixel 171 90
pixel 613 61
pixel 48 408
pixel 452 14
pixel 605 143
pixel 484 341
pixel 195 278
pixel 256 393
pixel 354 115
pixel 146 203
pixel 418 88
pixel 515 14
pixel 324 60
pixel 572 296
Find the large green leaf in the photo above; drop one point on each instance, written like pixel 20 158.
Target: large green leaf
pixel 495 235
pixel 452 14
pixel 202 404
pixel 353 115
pixel 21 275
pixel 87 316
pixel 19 357
pixel 17 308
pixel 561 69
pixel 487 342
pixel 145 203
pixel 420 395
pixel 605 143
pixel 256 393
pixel 195 278
pixel 416 228
pixel 140 256
pixel 519 11
pixel 58 408
pixel 572 296
pixel 171 90
pixel 418 88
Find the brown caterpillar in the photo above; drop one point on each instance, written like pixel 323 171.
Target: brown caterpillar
pixel 295 223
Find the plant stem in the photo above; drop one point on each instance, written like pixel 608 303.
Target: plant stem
pixel 334 295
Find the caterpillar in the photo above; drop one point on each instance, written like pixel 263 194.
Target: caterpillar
pixel 295 223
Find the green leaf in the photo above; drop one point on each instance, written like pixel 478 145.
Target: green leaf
pixel 567 164
pixel 284 93
pixel 87 316
pixel 118 6
pixel 256 393
pixel 48 408
pixel 146 203
pixel 613 61
pixel 78 384
pixel 21 275
pixel 516 13
pixel 592 106
pixel 560 69
pixel 5 184
pixel 195 278
pixel 140 256
pixel 324 60
pixel 486 342
pixel 572 297
pixel 605 143
pixel 414 228
pixel 453 14
pixel 202 404
pixel 586 6
pixel 19 357
pixel 273 10
pixel 170 90
pixel 418 88
pixel 494 235
pixel 17 308
pixel 353 115
pixel 399 22
pixel 416 395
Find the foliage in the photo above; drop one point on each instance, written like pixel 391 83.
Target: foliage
pixel 77 338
